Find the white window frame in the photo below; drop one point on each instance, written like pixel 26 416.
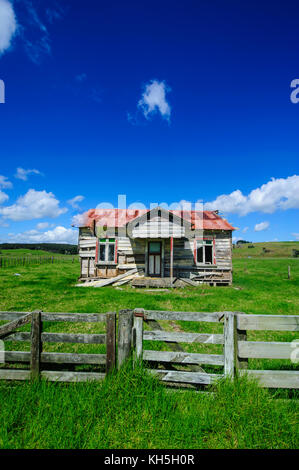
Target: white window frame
pixel 106 243
pixel 203 242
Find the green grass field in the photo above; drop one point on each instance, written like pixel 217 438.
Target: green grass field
pixel 266 250
pixel 20 252
pixel 130 409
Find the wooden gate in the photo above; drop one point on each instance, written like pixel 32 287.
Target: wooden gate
pixel 174 362
pixel 236 349
pixel 39 360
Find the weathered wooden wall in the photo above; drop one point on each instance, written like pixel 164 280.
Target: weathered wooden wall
pixel 132 252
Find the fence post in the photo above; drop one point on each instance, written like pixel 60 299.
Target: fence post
pixel 125 324
pixel 110 341
pixel 240 335
pixel 229 344
pixel 36 344
pixel 138 334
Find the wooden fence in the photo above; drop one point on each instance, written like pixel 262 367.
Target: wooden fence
pixel 39 359
pixel 167 365
pixel 236 349
pixel 10 261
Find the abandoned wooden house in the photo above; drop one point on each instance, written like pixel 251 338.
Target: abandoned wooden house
pixel 155 247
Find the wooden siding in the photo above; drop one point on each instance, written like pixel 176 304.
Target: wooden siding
pixel 158 227
pixel 132 253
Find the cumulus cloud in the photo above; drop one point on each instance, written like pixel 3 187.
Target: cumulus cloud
pixel 74 202
pixel 280 193
pixel 3 197
pixel 23 174
pixel 33 205
pixel 295 235
pixel 59 234
pixel 261 226
pixel 79 220
pixel 42 225
pixel 4 183
pixel 8 25
pixel 154 101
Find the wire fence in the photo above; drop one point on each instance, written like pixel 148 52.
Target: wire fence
pixel 10 261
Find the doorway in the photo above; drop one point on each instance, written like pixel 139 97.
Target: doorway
pixel 155 258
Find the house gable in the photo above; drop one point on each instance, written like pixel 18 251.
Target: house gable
pixel 158 223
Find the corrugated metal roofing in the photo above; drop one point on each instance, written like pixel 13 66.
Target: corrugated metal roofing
pixel 207 220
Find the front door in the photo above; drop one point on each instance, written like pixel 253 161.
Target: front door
pixel 154 258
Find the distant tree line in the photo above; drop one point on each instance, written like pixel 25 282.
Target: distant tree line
pixel 62 248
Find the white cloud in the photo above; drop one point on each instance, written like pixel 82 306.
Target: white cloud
pixel 74 202
pixel 79 220
pixel 33 205
pixel 154 100
pixel 295 235
pixel 245 229
pixel 3 197
pixel 57 235
pixel 22 174
pixel 8 25
pixel 280 193
pixel 261 226
pixel 42 225
pixel 4 183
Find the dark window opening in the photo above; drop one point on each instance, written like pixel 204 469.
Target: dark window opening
pixel 209 254
pixel 200 254
pixel 205 252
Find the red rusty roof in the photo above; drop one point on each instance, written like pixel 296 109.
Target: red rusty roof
pixel 207 220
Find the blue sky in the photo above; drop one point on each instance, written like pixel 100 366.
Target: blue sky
pixel 162 101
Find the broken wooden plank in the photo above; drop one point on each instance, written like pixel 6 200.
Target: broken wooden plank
pixel 124 281
pixel 107 282
pixel 188 281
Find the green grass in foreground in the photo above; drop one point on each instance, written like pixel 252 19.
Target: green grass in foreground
pixel 132 410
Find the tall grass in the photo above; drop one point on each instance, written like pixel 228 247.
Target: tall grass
pixel 132 410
